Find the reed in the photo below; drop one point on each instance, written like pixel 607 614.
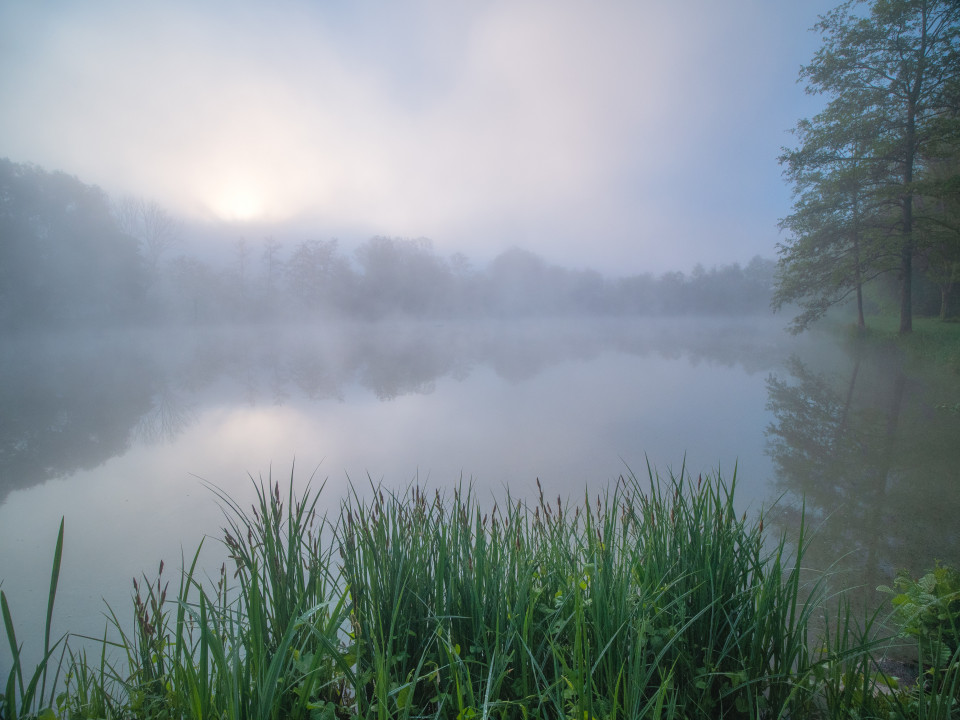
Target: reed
pixel 648 595
pixel 19 699
pixel 653 598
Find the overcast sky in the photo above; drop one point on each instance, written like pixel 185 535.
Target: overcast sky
pixel 626 136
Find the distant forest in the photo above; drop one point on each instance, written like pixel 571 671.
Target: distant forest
pixel 68 256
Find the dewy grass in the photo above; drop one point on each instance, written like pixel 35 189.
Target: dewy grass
pixel 653 599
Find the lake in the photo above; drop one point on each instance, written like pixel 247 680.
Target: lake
pixel 117 432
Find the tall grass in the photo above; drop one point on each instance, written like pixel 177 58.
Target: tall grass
pixel 653 598
pixel 19 699
pixel 642 596
pixel 262 642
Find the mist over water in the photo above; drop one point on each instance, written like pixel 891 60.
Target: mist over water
pixel 319 245
pixel 117 431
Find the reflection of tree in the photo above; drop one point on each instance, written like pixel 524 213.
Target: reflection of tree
pixel 66 407
pixel 809 442
pixel 869 453
pixel 406 362
pixel 313 376
pixel 71 402
pixel 171 413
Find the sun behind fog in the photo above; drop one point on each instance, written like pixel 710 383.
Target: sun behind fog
pixel 239 202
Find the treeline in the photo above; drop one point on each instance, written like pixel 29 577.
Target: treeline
pixel 68 255
pixel 386 276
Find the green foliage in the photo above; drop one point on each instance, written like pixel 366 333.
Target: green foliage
pixel 653 599
pixel 19 700
pixel 929 608
pixel 863 164
pixel 931 341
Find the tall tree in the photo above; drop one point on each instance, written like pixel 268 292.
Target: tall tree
pixel 938 221
pixel 152 225
pixel 939 201
pixel 837 238
pixel 893 62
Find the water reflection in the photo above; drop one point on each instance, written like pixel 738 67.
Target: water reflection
pixel 68 405
pixel 870 444
pixel 72 402
pixel 171 412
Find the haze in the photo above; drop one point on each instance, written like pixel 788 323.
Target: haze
pixel 627 137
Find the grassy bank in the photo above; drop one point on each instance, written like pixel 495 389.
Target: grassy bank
pixel 653 599
pixel 932 340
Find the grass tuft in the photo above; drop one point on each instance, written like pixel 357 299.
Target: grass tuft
pixel 653 598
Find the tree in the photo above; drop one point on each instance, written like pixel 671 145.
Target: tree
pixel 270 257
pixel 63 259
pixel 241 254
pixel 939 221
pixel 837 240
pixel 317 275
pixel 893 65
pixel 153 226
pixel 939 201
pixel 403 275
pixel 196 284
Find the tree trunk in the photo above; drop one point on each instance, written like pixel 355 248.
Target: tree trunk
pixel 857 277
pixel 906 286
pixel 906 249
pixel 861 324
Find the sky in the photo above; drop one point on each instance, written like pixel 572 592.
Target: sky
pixel 624 136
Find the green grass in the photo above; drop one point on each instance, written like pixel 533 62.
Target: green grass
pixel 19 699
pixel 652 599
pixel 932 339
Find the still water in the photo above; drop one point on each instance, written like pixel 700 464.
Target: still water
pixel 117 432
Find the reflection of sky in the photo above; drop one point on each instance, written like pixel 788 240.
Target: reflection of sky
pixel 569 425
pixel 503 409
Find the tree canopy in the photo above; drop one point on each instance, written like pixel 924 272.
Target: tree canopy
pixel 890 71
pixel 63 258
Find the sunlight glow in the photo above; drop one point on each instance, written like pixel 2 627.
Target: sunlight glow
pixel 238 201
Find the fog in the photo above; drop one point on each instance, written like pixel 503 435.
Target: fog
pixel 138 364
pixel 75 400
pixel 494 244
pixel 627 137
pixel 116 430
pixel 72 256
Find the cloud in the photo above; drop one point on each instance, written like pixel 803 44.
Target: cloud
pixel 484 124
